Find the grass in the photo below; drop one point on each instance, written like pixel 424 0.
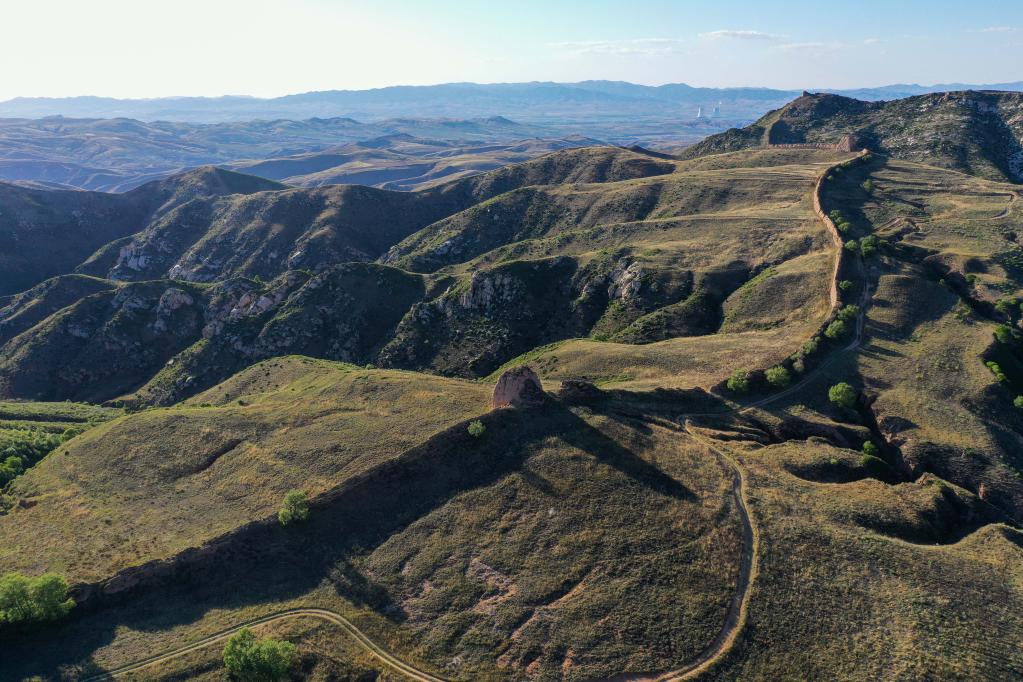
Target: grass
pixel 539 534
pixel 576 543
pixel 148 485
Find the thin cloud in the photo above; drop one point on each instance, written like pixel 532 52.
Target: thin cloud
pixel 631 46
pixel 739 35
pixel 872 41
pixel 804 47
pixel 998 29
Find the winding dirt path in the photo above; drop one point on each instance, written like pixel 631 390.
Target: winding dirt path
pixel 738 608
pixel 333 617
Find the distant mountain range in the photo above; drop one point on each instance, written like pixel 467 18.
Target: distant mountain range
pixel 119 154
pixel 535 102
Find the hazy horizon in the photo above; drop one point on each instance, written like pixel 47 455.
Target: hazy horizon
pixel 257 48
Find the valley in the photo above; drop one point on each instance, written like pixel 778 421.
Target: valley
pixel 693 482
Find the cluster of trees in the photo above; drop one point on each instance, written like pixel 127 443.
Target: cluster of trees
pixel 779 376
pixel 33 600
pixel 258 660
pixel 23 448
pixel 840 221
pixel 866 246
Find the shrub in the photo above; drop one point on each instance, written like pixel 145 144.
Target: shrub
pixel 810 347
pixel 845 284
pixel 835 215
pixel 476 428
pixel 848 312
pixel 835 330
pixel 868 186
pixel 1018 401
pixel 778 376
pixel 258 660
pixel 843 226
pixel 1007 307
pixel 869 448
pixel 843 395
pixel 996 369
pixel 868 246
pixel 853 246
pixel 33 600
pixel 294 508
pixel 739 381
pixel 1003 333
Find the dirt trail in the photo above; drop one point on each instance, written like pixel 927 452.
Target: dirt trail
pixel 333 617
pixel 738 607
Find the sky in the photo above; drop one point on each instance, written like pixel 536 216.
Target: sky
pixel 145 48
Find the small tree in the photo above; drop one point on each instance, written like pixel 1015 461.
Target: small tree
pixel 869 448
pixel 476 428
pixel 868 186
pixel 848 312
pixel 294 508
pixel 739 381
pixel 25 600
pixel 853 246
pixel 845 284
pixel 1018 401
pixel 868 246
pixel 258 660
pixel 778 376
pixel 1003 333
pixel 835 330
pixel 843 395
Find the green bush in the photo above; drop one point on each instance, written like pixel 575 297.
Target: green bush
pixel 258 660
pixel 996 369
pixel 845 284
pixel 868 246
pixel 20 449
pixel 294 508
pixel 33 600
pixel 868 186
pixel 835 330
pixel 1018 401
pixel 1003 333
pixel 853 246
pixel 739 381
pixel 778 376
pixel 848 312
pixel 810 347
pixel 476 428
pixel 1007 307
pixel 869 448
pixel 843 395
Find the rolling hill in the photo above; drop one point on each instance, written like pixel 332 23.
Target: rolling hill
pixel 695 495
pixel 975 132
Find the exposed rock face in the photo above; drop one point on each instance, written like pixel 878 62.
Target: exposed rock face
pixel 518 387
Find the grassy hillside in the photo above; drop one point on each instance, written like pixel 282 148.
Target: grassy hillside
pixel 619 258
pixel 976 132
pixel 669 522
pixel 151 484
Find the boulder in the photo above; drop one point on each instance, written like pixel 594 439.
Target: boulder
pixel 518 387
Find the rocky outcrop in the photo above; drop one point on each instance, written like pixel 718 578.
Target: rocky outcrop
pixel 518 387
